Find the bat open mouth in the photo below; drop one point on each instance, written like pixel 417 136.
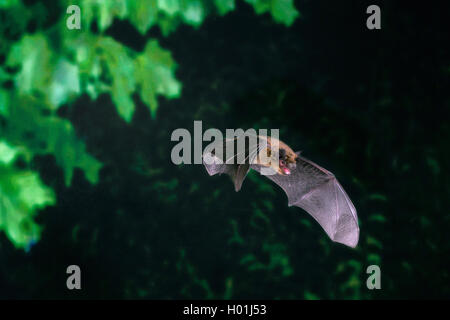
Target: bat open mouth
pixel 283 167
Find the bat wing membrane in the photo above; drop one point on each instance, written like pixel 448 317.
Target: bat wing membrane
pixel 318 192
pixel 215 164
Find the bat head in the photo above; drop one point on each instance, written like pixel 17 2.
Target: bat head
pixel 287 161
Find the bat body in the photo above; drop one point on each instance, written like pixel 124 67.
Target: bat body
pixel 306 184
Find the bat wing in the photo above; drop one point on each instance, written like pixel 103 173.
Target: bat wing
pixel 318 192
pixel 219 165
pixel 236 172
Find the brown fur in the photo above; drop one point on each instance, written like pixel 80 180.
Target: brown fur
pixel 290 157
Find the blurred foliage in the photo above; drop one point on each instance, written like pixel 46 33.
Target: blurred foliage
pixel 21 193
pixel 53 66
pixel 74 102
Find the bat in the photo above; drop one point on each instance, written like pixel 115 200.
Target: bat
pixel 307 185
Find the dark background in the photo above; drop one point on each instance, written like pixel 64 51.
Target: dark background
pixel 370 106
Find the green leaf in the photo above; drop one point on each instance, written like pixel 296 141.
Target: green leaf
pixel 89 57
pixel 65 82
pixel 121 68
pixel 225 6
pixel 21 194
pixel 154 72
pixel 103 12
pixel 7 153
pixel 38 76
pixel 282 11
pixel 143 14
pixel 33 55
pixel 40 134
pixel 171 7
pixel 193 12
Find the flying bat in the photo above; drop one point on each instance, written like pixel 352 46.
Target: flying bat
pixel 307 185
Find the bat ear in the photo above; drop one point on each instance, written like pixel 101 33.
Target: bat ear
pixel 298 153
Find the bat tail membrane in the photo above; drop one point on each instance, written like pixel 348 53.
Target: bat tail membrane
pixel 330 206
